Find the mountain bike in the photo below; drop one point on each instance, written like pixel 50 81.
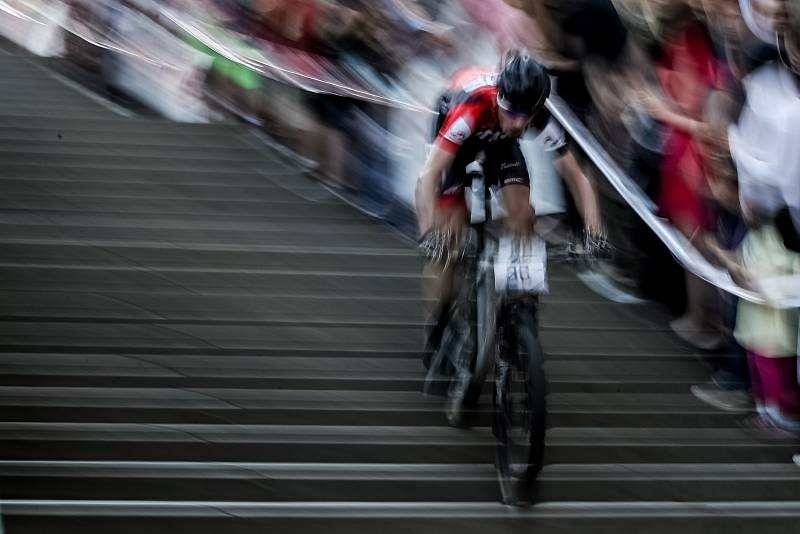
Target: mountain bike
pixel 493 323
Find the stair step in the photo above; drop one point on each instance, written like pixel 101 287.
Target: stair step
pixel 46 516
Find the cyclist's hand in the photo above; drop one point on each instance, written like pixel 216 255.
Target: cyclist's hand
pixel 596 246
pixel 432 245
pixel 443 247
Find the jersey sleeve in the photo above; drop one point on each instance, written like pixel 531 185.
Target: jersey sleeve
pixel 550 132
pixel 458 126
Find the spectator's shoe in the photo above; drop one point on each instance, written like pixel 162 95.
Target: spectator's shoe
pixel 796 460
pixel 769 425
pixel 689 331
pixel 729 381
pixel 729 400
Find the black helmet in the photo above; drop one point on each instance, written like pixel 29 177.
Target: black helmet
pixel 522 84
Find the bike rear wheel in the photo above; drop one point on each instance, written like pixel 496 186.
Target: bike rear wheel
pixel 520 411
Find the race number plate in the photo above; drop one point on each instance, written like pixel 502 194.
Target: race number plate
pixel 521 266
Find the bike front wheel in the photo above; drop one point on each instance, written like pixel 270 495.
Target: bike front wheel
pixel 520 410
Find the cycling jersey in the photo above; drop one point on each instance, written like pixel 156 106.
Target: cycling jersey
pixel 468 110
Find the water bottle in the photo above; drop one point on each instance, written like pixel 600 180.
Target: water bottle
pixel 496 204
pixel 476 199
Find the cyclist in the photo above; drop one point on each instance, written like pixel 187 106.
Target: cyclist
pixel 486 112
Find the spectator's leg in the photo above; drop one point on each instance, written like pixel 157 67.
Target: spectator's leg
pixel 697 326
pixel 327 144
pixel 332 155
pixel 756 384
pixel 734 373
pixel 782 394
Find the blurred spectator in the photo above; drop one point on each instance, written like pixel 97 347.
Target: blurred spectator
pixel 770 335
pixel 764 145
pixel 765 140
pixel 764 18
pixel 363 37
pixel 729 387
pixel 574 32
pixel 510 26
pixel 689 72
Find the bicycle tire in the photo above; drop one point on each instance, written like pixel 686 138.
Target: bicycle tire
pixel 520 435
pixel 483 333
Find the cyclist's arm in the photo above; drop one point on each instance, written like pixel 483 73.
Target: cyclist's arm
pixel 519 212
pixel 456 128
pixel 582 191
pixel 439 162
pixel 555 141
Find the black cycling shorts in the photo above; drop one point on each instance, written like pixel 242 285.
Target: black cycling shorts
pixel 504 163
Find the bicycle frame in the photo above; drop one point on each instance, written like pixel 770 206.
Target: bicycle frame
pixel 491 306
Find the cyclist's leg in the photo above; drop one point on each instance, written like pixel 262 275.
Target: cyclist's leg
pixel 443 284
pixel 440 284
pixel 507 161
pixel 437 282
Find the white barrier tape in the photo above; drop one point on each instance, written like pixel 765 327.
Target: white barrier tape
pixel 5 7
pixel 778 292
pixel 80 31
pixel 263 65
